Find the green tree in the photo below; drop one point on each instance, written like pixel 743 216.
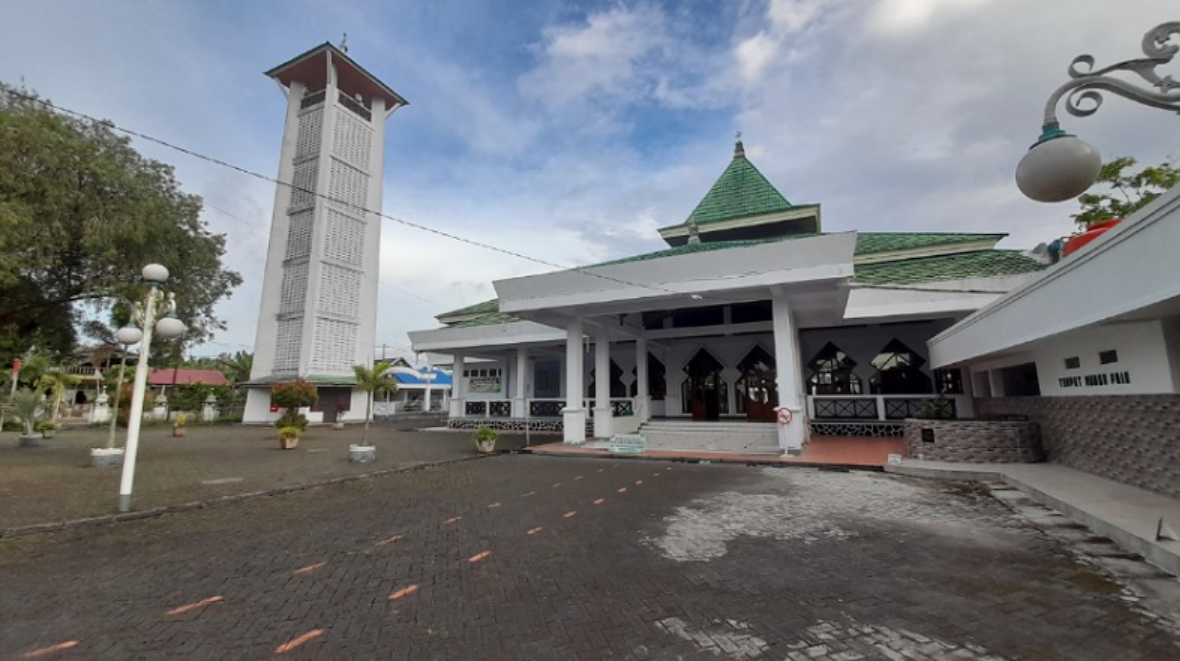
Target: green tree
pixel 236 366
pixel 372 380
pixel 81 212
pixel 1127 192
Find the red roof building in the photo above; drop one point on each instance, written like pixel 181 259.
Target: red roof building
pixel 171 377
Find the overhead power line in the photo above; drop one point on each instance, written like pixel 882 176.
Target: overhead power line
pixel 394 219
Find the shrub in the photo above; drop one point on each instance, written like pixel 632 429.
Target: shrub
pixel 291 418
pixel 294 394
pixel 290 432
pixel 486 433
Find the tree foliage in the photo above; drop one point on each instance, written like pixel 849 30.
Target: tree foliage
pixel 1127 192
pixel 371 381
pixel 294 394
pixel 81 212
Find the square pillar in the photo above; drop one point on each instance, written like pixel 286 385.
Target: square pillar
pixel 458 388
pixel 642 395
pixel 786 358
pixel 519 381
pixel 574 423
pixel 603 420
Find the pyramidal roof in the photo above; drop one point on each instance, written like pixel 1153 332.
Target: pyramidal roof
pixel 739 192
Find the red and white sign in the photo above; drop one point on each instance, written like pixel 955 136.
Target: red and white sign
pixel 784 416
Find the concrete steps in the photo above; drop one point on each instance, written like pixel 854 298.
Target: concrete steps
pixel 721 436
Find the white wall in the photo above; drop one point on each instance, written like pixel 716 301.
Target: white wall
pixel 1142 355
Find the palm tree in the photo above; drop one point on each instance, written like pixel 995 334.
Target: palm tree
pixel 372 381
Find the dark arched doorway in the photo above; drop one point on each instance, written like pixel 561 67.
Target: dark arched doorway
pixel 757 391
pixel 704 392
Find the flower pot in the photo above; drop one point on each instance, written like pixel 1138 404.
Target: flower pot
pixel 30 441
pixel 49 433
pixel 178 432
pixel 289 443
pixel 106 457
pixel 337 425
pixel 485 447
pixel 362 454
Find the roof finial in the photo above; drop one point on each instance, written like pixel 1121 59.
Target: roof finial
pixel 694 236
pixel 344 44
pixel 739 151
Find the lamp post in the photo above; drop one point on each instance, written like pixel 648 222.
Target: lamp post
pixel 1059 166
pixel 156 303
pixel 127 335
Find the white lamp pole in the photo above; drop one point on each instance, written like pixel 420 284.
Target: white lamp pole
pixel 1059 166
pixel 168 326
pixel 126 336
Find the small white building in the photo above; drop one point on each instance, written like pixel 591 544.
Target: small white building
pixel 752 314
pixel 1090 351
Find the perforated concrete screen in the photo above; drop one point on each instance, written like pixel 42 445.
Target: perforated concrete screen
pixel 335 344
pixel 352 140
pixel 311 129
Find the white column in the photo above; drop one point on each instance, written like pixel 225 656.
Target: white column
pixel 426 390
pixel 520 379
pixel 574 423
pixel 458 387
pixel 603 420
pixel 642 395
pixel 786 358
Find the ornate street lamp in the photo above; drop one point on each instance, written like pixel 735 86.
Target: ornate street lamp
pixel 156 304
pixel 1060 166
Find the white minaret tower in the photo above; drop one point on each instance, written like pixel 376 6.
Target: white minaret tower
pixel 318 316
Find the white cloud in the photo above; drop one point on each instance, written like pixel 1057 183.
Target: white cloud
pixel 601 57
pixel 905 17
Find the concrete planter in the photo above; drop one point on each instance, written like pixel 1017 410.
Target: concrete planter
pixel 362 454
pixel 485 447
pixel 106 457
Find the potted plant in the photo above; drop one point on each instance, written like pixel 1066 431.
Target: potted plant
pixel 289 437
pixel 27 404
pixel 292 396
pixel 369 381
pixel 178 425
pixel 485 439
pixel 48 428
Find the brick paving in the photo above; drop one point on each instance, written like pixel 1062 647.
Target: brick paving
pixel 514 557
pixel 55 482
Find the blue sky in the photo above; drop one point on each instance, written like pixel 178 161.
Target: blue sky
pixel 571 131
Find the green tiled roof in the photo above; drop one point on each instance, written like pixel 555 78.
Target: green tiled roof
pixel 739 192
pixel 868 243
pixel 485 320
pixel 980 264
pixel 689 248
pixel 479 308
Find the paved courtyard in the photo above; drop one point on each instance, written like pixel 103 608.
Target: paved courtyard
pixel 55 482
pixel 526 557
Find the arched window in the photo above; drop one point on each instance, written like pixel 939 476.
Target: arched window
pixel 656 383
pixel 617 388
pixel 756 388
pixel 899 372
pixel 832 373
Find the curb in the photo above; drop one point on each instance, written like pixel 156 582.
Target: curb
pixel 1154 553
pixel 698 460
pixel 71 524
